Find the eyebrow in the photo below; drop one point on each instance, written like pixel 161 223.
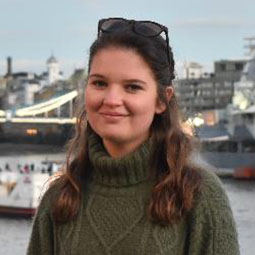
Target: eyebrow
pixel 135 81
pixel 96 75
pixel 127 80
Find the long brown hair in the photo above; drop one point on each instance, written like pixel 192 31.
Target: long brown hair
pixel 177 179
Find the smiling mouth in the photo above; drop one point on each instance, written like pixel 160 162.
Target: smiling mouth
pixel 113 114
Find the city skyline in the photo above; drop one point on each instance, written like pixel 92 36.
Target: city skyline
pixel 200 31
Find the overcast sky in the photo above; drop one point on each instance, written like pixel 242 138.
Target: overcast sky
pixel 200 30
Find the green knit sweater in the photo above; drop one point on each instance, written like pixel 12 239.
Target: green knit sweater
pixel 112 218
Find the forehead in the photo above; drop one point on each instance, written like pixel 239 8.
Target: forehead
pixel 122 61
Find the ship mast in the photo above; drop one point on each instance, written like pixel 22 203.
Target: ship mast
pixel 250 46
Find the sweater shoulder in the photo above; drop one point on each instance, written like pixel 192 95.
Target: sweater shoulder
pixel 212 219
pixel 212 202
pixel 48 199
pixel 211 185
pixel 211 189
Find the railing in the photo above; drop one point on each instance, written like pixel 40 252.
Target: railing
pixel 30 114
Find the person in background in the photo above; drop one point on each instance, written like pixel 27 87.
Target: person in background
pixel 26 169
pixel 32 167
pixel 129 185
pixel 7 167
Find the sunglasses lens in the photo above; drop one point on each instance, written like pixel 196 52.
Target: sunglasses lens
pixel 111 25
pixel 147 29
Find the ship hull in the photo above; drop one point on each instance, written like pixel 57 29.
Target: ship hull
pixel 228 159
pixel 11 211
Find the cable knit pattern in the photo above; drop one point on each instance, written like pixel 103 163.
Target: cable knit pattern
pixel 113 216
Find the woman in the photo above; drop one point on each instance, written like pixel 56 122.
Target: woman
pixel 130 186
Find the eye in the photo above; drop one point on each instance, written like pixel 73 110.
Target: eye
pixel 99 83
pixel 133 87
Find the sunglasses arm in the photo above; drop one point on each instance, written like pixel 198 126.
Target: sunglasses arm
pixel 167 48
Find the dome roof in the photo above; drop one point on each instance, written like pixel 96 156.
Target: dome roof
pixel 51 60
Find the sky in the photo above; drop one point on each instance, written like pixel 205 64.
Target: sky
pixel 201 31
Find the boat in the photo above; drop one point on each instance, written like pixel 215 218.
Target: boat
pixel 22 189
pixel 225 150
pixel 22 197
pixel 245 173
pixel 230 142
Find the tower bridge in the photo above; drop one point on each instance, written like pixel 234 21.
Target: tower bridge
pixel 46 122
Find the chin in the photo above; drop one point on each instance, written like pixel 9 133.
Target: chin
pixel 111 134
pixel 114 138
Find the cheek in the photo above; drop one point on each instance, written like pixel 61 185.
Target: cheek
pixel 87 103
pixel 144 111
pixel 86 98
pixel 90 112
pixel 91 101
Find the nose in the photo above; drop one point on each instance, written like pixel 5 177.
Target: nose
pixel 113 96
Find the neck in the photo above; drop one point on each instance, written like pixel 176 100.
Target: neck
pixel 124 171
pixel 118 150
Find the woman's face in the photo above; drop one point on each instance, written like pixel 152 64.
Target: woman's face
pixel 121 99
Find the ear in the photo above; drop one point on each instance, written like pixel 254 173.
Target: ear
pixel 169 93
pixel 161 106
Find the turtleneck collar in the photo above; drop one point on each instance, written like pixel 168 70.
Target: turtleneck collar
pixel 125 171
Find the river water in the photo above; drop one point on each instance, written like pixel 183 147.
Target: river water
pixel 14 233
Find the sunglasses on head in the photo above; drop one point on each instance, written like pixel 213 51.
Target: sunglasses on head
pixel 144 28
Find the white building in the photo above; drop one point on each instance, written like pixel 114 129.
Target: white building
pixel 53 69
pixel 21 89
pixel 22 86
pixel 192 70
pixel 30 88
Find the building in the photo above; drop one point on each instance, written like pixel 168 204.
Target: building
pixel 197 95
pixel 209 92
pixel 229 70
pixel 53 69
pixel 192 70
pixel 19 89
pixel 3 82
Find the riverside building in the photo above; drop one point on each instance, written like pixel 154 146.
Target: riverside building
pixel 19 88
pixel 205 91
